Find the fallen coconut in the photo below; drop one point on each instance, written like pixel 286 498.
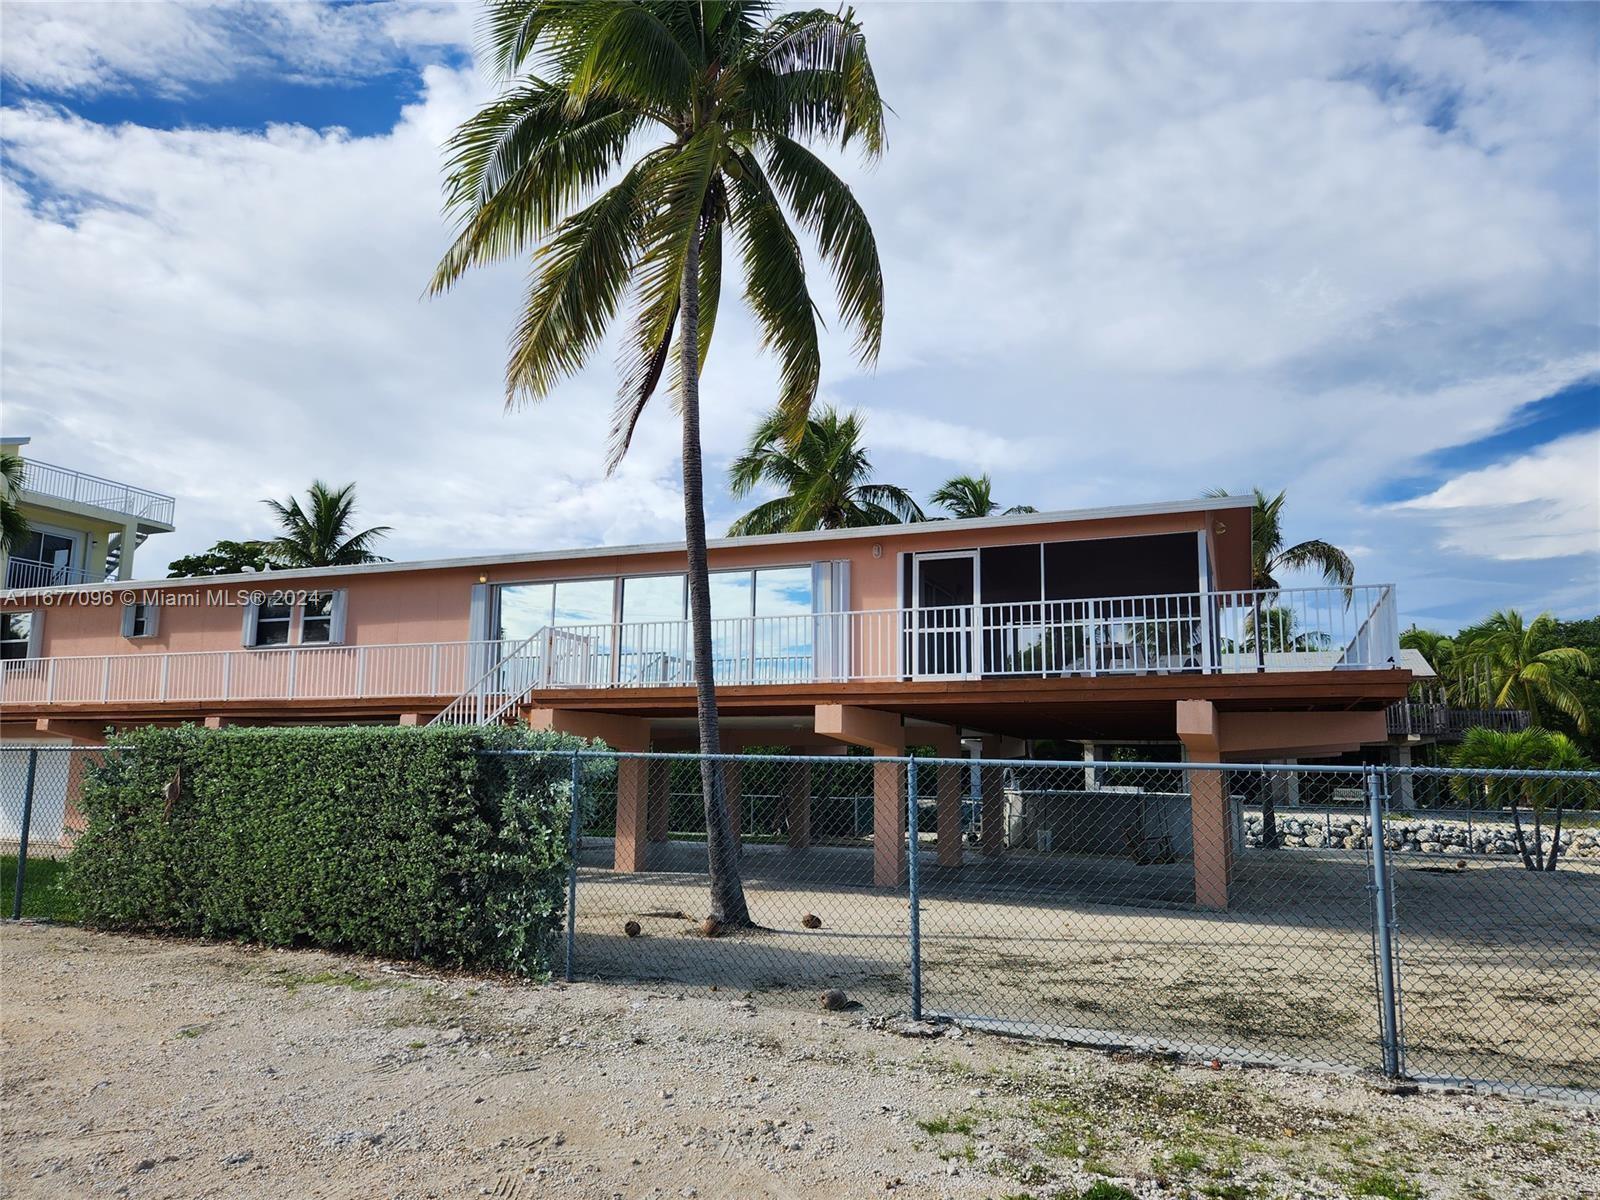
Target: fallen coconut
pixel 811 921
pixel 632 929
pixel 833 1000
pixel 710 927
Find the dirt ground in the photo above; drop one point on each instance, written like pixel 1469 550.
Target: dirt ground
pixel 158 1068
pixel 1499 969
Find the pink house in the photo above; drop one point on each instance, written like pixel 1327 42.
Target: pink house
pixel 1129 623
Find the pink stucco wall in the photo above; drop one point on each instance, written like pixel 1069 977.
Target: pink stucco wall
pixel 430 604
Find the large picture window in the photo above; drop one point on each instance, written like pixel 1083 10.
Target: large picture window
pixel 652 612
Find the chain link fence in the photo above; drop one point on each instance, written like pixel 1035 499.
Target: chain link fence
pixel 1312 916
pixel 1307 916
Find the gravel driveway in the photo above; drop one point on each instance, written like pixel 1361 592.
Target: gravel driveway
pixel 146 1067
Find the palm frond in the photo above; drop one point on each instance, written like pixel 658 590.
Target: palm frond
pixel 828 209
pixel 675 199
pixel 775 289
pixel 633 56
pixel 579 277
pixel 518 166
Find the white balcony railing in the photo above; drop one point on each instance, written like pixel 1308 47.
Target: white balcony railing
pixel 422 670
pixel 24 573
pixel 1287 630
pixel 63 483
pixel 1197 633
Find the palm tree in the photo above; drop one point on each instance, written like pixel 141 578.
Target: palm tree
pixel 1269 556
pixel 964 497
pixel 13 525
pixel 825 479
pixel 1521 676
pixel 1438 648
pixel 319 535
pixel 556 166
pixel 1531 749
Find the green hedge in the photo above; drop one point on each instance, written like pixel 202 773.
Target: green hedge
pixel 393 841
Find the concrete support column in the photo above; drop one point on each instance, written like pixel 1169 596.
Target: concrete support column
pixel 888 824
pixel 1091 777
pixel 631 848
pixel 1213 837
pixel 130 541
pixel 797 797
pixel 948 783
pixel 1208 804
pixel 660 799
pixel 1404 793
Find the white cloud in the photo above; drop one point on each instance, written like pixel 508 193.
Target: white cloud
pixel 1543 504
pixel 88 47
pixel 1131 252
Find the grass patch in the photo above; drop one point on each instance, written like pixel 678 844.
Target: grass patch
pixel 44 892
pixel 1101 1190
pixel 293 981
pixel 939 1126
pixel 1387 1187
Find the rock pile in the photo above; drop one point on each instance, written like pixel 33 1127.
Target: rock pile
pixel 1418 835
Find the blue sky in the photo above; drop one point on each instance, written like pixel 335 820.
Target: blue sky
pixel 1131 252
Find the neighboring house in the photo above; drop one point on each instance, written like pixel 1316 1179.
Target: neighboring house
pixel 1132 623
pixel 83 529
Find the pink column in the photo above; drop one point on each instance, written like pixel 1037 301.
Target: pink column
pixel 888 824
pixel 948 783
pixel 797 792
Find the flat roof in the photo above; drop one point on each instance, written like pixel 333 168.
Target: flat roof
pixel 1014 521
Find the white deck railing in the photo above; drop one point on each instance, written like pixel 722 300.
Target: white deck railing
pixel 1193 633
pixel 47 479
pixel 422 670
pixel 27 573
pixel 1287 630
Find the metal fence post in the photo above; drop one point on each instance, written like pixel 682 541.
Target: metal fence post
pixel 1383 930
pixel 572 864
pixel 22 844
pixel 912 839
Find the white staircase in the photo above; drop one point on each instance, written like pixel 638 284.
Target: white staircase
pixel 495 695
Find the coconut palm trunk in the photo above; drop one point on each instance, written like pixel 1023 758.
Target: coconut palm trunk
pixel 722 852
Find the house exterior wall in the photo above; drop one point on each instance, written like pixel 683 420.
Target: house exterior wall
pixel 413 603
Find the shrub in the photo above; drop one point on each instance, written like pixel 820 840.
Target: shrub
pixel 384 840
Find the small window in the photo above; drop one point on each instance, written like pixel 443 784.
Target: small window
pixel 140 620
pixel 16 634
pixel 316 623
pixel 273 619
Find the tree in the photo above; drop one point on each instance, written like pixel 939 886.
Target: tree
pixel 1269 556
pixel 1520 674
pixel 556 166
pixel 320 535
pixel 1438 648
pixel 224 558
pixel 825 478
pixel 13 525
pixel 1532 749
pixel 964 497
